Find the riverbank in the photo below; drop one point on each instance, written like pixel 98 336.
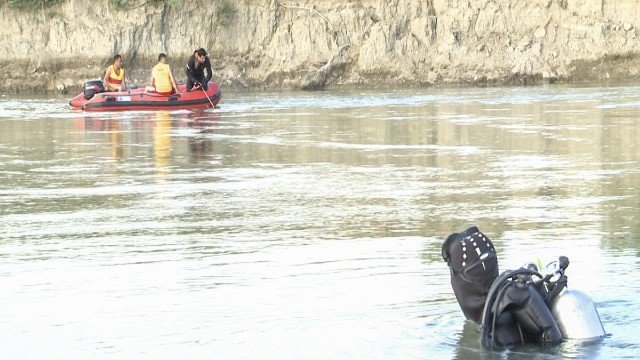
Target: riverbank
pixel 310 45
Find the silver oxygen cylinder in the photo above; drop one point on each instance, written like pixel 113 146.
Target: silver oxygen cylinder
pixel 576 315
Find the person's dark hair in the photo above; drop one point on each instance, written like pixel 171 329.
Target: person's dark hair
pixel 162 56
pixel 201 52
pixel 117 57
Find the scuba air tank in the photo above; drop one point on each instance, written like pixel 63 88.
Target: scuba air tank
pixel 519 306
pixel 573 310
pixel 577 316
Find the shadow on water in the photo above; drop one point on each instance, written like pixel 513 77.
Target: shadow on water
pixel 468 347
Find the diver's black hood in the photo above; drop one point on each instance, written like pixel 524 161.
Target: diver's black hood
pixel 474 266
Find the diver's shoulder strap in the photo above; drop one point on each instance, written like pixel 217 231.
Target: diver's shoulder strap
pixel 494 305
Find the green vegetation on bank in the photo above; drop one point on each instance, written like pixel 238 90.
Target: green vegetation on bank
pixel 39 4
pixel 125 4
pixel 225 13
pixel 26 4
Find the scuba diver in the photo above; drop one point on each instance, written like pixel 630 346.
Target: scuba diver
pixel 518 306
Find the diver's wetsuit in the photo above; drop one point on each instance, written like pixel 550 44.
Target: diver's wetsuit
pixel 511 307
pixel 195 72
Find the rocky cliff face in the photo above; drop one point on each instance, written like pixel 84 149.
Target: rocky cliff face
pixel 312 44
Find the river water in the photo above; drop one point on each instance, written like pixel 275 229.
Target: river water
pixel 309 225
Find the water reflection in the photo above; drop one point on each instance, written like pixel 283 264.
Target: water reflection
pixel 335 202
pixel 112 126
pixel 468 347
pixel 201 141
pixel 162 141
pixel 124 134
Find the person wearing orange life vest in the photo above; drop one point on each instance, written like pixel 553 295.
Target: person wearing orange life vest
pixel 162 78
pixel 114 78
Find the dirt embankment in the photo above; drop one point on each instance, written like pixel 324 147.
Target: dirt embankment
pixel 305 44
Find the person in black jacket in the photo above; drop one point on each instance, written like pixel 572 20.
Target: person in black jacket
pixel 196 65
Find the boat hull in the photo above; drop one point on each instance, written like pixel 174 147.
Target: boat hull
pixel 139 99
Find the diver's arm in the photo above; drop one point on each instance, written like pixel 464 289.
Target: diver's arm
pixel 123 86
pixel 106 78
pixel 207 65
pixel 190 66
pixel 173 81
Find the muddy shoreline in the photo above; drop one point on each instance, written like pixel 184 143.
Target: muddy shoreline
pixel 56 78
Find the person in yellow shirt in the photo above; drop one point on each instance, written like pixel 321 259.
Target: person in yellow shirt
pixel 162 78
pixel 114 79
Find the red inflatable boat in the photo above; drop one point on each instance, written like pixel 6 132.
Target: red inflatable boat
pixel 93 99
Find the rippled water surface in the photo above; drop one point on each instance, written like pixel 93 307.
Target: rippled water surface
pixel 309 225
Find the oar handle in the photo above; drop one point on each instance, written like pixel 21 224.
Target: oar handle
pixel 207 95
